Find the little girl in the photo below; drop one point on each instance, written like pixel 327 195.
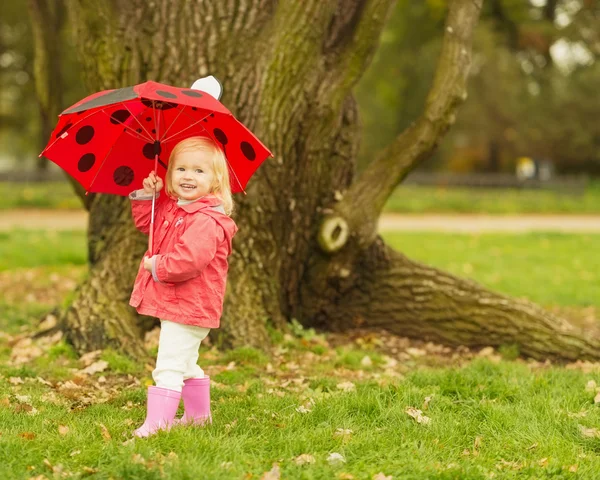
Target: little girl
pixel 183 283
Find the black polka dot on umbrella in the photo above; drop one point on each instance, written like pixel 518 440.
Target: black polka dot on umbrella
pixel 192 93
pixel 220 136
pixel 63 130
pixel 148 151
pixel 154 130
pixel 248 151
pixel 86 162
pixel 119 116
pixel 84 134
pixel 123 176
pixel 139 130
pixel 194 109
pixel 148 119
pixel 165 94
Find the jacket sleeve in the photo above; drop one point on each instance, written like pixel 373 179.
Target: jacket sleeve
pixel 141 209
pixel 191 254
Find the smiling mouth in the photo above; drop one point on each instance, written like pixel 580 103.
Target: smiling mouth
pixel 187 186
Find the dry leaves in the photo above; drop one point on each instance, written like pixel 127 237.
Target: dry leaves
pixel 304 459
pixel 344 433
pixel 382 476
pixel 104 432
pixel 418 415
pixel 335 458
pixel 273 474
pixel 95 367
pixel 346 386
pixel 589 432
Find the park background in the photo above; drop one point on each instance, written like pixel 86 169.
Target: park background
pixel 510 199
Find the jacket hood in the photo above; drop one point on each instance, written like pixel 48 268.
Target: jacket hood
pixel 206 204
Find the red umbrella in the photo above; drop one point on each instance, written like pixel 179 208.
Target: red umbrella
pixel 110 141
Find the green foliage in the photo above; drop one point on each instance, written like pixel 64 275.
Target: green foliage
pixel 524 98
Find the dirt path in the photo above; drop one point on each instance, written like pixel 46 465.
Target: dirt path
pixel 77 219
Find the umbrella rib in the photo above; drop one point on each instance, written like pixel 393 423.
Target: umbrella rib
pixel 181 131
pixel 100 167
pixel 127 127
pixel 76 123
pixel 139 123
pixel 172 123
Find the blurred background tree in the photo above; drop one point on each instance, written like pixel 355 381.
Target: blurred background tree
pixel 532 90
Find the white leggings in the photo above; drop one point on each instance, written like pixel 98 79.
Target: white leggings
pixel 177 354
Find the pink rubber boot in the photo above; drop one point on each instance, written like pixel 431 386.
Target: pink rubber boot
pixel 161 410
pixel 196 401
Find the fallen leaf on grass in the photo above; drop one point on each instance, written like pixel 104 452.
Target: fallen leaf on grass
pixel 589 432
pixel 24 351
pixel 597 398
pixel 27 435
pixel 573 468
pixel 382 476
pixel 346 386
pixel 346 476
pixel 273 474
pixel 335 458
pixel 88 358
pixel 426 402
pixel 95 367
pixel 229 426
pixel 104 431
pixel 533 447
pixel 63 430
pixel 590 386
pixel 304 458
pixel 418 415
pixel 16 380
pixel 543 462
pixel 344 433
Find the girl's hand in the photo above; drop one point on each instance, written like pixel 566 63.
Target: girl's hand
pixel 152 181
pixel 148 264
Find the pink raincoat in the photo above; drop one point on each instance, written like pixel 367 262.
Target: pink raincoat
pixel 189 267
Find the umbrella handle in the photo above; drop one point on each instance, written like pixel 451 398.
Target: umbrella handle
pixel 151 231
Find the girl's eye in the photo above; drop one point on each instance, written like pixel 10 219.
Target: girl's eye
pixel 198 170
pixel 181 169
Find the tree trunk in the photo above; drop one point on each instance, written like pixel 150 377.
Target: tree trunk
pixel 307 247
pixel 47 18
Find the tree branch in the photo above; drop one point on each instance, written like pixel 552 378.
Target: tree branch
pixel 351 41
pixel 366 198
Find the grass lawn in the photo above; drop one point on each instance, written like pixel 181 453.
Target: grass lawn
pixel 416 199
pixel 406 199
pixel 547 268
pixel 354 406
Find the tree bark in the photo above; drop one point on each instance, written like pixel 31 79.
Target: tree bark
pixel 389 291
pixel 307 247
pixel 47 18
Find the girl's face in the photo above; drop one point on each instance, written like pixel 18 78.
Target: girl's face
pixel 192 176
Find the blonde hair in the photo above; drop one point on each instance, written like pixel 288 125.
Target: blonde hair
pixel 221 186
